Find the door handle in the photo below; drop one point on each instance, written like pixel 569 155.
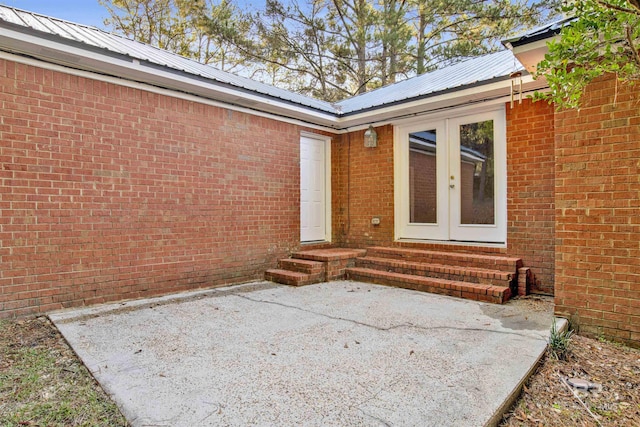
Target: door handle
pixel 452 186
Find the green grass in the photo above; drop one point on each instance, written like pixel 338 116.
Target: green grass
pixel 42 384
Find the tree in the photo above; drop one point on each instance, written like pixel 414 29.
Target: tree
pixel 197 29
pixel 603 38
pixel 341 48
pixel 327 49
pixel 450 30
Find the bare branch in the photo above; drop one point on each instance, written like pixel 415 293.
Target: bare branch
pixel 634 3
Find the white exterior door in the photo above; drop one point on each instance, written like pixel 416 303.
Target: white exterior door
pixel 450 178
pixel 314 189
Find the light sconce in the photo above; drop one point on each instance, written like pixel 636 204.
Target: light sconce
pixel 370 137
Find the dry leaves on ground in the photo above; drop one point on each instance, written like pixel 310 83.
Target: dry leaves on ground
pixel 614 370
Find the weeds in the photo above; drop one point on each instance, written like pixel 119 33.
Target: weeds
pixel 559 342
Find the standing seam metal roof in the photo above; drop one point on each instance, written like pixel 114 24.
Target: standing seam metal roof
pixel 474 71
pixel 482 69
pixel 96 37
pixel 540 33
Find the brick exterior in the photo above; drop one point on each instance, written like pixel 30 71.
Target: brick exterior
pixel 363 185
pixel 598 212
pixel 111 193
pixel 530 188
pixel 368 178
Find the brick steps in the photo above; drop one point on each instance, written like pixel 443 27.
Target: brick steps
pixel 490 277
pixel 473 291
pixel 301 265
pixel 293 278
pixel 477 276
pixel 484 261
pixel 314 266
pixel 439 271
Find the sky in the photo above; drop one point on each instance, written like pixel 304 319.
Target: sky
pixel 88 12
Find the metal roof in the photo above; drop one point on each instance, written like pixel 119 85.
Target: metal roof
pixel 467 74
pixel 538 33
pixel 97 38
pixel 476 71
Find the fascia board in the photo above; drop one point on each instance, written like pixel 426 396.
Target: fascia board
pixel 530 54
pixel 129 68
pixel 124 68
pixel 470 96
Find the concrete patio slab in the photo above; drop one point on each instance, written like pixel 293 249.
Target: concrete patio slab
pixel 339 353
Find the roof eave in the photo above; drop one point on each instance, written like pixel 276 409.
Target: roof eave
pixel 64 52
pixel 531 49
pixel 497 90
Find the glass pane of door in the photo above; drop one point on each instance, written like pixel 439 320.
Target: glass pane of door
pixel 423 200
pixel 477 180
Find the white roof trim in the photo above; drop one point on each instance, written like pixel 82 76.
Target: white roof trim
pixel 59 53
pixel 115 65
pixel 158 90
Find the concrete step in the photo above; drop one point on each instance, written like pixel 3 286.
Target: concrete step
pixel 440 271
pixel 293 278
pixel 473 291
pixel 301 265
pixel 482 261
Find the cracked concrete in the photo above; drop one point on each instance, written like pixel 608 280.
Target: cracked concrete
pixel 339 353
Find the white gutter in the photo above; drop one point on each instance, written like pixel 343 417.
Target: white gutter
pixel 119 69
pixel 120 66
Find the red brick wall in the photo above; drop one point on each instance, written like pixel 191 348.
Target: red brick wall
pixel 598 212
pixel 111 192
pixel 363 189
pixel 530 188
pixel 368 179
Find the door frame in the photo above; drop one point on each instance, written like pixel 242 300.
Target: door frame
pixel 326 140
pixel 441 230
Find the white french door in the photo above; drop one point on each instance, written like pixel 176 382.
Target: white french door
pixel 450 178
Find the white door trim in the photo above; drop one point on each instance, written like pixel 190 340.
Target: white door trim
pixel 443 231
pixel 326 140
pixel 403 225
pixel 494 233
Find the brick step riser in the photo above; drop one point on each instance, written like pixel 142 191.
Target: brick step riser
pixel 455 289
pixel 295 265
pixel 454 259
pixel 425 271
pixel 293 280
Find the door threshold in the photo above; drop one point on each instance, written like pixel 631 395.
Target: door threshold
pixel 455 243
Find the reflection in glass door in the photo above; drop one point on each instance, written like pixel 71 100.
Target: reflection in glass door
pixel 451 178
pixel 477 173
pixel 478 187
pixel 423 179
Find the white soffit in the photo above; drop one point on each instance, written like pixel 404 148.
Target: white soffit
pixel 86 48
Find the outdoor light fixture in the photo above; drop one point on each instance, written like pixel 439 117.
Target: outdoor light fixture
pixel 370 137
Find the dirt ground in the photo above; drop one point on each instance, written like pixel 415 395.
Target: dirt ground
pixel 611 372
pixel 42 383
